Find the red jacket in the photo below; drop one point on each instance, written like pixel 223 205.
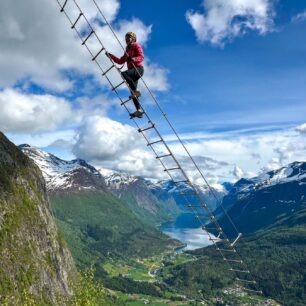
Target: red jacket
pixel 135 52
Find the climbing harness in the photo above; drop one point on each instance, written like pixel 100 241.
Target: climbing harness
pixel 171 164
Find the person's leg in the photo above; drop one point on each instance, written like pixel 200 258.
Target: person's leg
pixel 132 76
pixel 129 76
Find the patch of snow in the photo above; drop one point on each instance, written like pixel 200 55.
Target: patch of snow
pixel 57 172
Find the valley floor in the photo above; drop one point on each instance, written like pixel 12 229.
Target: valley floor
pixel 149 271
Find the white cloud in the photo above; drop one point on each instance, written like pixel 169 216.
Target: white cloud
pixel 223 20
pixel 38 45
pixel 110 144
pixel 299 17
pixel 250 152
pixel 301 128
pixel 22 113
pixel 238 173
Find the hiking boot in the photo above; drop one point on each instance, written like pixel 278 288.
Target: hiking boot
pixel 137 114
pixel 135 94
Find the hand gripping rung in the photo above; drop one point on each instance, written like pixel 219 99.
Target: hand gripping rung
pixel 172 169
pixel 84 42
pixel 145 129
pixel 240 271
pixel 98 54
pixel 73 26
pixel 62 9
pixel 114 88
pixel 154 142
pixel 111 67
pixel 166 155
pixel 246 281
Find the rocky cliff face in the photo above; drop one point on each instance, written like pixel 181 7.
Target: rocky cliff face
pixel 34 260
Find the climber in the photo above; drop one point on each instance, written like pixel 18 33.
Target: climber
pixel 134 57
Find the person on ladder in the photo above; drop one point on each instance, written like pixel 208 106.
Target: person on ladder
pixel 134 57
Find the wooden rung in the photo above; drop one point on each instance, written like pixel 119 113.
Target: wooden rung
pixel 238 237
pixel 162 156
pixel 212 228
pixel 240 271
pixel 225 250
pixel 114 88
pixel 233 260
pixel 94 58
pixel 182 181
pixel 105 72
pixel 126 101
pixel 154 142
pixel 73 26
pixel 62 9
pixel 252 290
pixel 84 42
pixel 195 206
pixel 172 169
pixel 145 129
pixel 245 281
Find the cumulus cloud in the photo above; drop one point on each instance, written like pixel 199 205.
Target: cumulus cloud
pixel 223 20
pixel 38 46
pixel 22 113
pixel 110 144
pixel 251 152
pixel 301 128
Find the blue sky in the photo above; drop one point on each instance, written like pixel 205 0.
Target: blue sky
pixel 253 74
pixel 230 74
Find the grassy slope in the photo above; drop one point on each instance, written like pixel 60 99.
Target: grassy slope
pixel 99 225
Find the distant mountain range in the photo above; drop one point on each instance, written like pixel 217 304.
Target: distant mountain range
pixel 149 201
pixel 153 202
pixel 266 201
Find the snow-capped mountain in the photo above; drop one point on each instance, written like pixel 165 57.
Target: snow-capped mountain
pixel 63 175
pixel 210 197
pixel 118 180
pixel 266 200
pixel 153 204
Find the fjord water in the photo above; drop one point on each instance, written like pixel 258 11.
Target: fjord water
pixel 187 230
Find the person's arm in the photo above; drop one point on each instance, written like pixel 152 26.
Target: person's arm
pixel 117 60
pixel 139 56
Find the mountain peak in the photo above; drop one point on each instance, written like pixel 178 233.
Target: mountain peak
pixel 62 175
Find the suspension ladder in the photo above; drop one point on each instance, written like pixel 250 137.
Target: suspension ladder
pixel 171 164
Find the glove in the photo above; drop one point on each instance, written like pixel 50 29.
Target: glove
pixel 130 59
